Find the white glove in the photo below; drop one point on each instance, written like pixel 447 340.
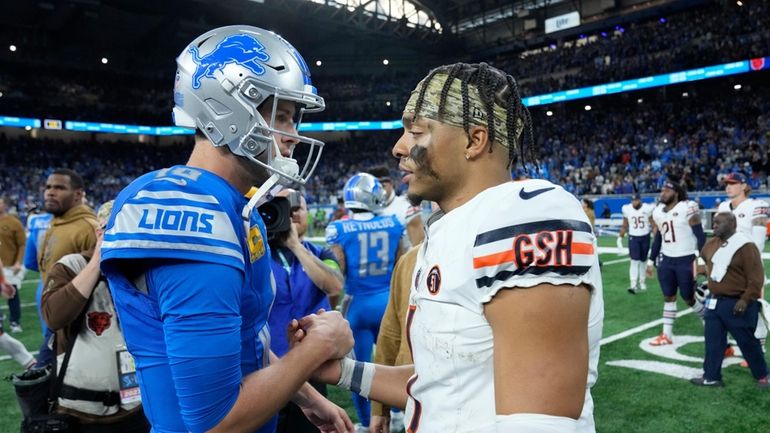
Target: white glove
pixel 619 242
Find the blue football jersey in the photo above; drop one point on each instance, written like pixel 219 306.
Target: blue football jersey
pixel 182 224
pixel 36 228
pixel 370 247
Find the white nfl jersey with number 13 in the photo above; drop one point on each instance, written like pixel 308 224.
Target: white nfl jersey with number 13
pixel 674 227
pixel 638 219
pixel 515 235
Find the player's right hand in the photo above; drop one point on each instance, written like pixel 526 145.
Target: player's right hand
pixel 331 330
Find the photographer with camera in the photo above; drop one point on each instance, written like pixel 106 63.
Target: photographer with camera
pixel 306 276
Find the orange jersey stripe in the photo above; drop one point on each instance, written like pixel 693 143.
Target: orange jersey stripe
pixel 508 256
pixel 582 248
pixel 493 259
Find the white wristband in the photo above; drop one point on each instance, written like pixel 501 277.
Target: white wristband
pixel 356 376
pixel 650 262
pixel 346 372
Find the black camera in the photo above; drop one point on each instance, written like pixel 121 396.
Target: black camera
pixel 277 214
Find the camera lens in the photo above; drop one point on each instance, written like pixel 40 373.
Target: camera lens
pixel 270 215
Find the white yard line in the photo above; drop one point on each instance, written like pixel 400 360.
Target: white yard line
pixel 640 328
pixel 612 262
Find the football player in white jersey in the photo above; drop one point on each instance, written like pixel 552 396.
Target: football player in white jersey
pixel 637 223
pixel 505 311
pixel 751 214
pixel 409 215
pixel 678 239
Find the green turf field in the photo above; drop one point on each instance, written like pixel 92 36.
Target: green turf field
pixel 627 400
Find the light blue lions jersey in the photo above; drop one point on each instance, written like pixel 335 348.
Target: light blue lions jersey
pixel 370 244
pixel 193 288
pixel 36 228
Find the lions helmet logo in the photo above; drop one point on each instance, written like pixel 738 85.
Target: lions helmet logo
pixel 241 49
pixel 99 321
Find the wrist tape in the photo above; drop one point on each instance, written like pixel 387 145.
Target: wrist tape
pixel 356 376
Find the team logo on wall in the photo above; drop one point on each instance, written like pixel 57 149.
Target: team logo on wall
pixel 434 280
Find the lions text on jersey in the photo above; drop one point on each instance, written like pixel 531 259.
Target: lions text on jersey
pixel 520 234
pixel 193 289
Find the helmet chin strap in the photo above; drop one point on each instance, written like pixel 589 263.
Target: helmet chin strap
pixel 264 193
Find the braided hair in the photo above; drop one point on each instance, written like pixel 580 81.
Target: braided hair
pixel 493 86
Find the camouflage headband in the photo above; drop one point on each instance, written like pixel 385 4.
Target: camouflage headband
pixel 453 108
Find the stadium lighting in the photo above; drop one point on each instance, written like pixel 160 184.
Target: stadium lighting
pixel 587 108
pixel 1 94
pixel 12 48
pixel 104 60
pixel 685 94
pixel 318 63
pixel 549 113
pixel 28 128
pixel 739 3
pixel 662 20
pixel 639 101
pixel 385 62
pixel 737 87
pixel 387 103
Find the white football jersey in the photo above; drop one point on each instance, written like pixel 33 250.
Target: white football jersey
pixel 404 211
pixel 745 214
pixel 674 227
pixel 638 219
pixel 518 234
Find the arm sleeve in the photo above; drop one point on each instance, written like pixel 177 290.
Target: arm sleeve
pixel 755 275
pixel 199 305
pixel 391 327
pixel 656 243
pixel 697 230
pixel 21 240
pixel 61 302
pixel 758 236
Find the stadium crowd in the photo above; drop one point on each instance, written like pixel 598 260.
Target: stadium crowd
pixel 619 147
pixel 713 34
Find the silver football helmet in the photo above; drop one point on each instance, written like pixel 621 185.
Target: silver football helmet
pixel 222 78
pixel 364 192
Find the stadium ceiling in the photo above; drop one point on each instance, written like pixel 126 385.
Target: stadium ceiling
pixel 344 29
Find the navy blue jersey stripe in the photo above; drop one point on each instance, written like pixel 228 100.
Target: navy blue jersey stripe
pixel 533 227
pixel 171 202
pixel 532 270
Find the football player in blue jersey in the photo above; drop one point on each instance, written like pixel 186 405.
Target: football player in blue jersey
pixel 186 255
pixel 367 246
